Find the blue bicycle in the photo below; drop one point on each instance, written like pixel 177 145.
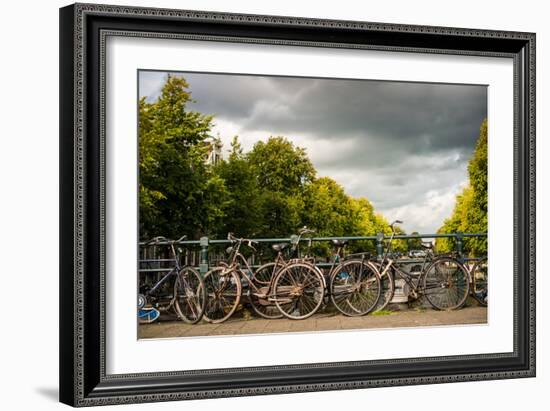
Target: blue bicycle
pixel 179 287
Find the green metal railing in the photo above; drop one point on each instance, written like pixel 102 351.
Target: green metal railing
pixel 204 243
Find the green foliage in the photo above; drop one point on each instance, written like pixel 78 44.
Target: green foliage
pixel 280 214
pixel 216 201
pixel 173 178
pixel 328 208
pixel 366 223
pixel 242 211
pixel 280 166
pixel 470 212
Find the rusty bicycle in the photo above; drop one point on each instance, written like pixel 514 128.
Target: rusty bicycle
pixel 442 280
pixel 224 287
pixel 293 288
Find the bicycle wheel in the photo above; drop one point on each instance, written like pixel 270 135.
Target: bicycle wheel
pixel 223 293
pixel 262 302
pixel 299 290
pixel 446 284
pixel 387 288
pixel 190 295
pixel 480 279
pixel 355 288
pixel 264 274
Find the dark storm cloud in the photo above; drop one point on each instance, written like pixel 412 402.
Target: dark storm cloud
pixel 405 146
pixel 426 116
pixel 421 115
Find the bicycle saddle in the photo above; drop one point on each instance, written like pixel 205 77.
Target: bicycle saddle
pixel 280 246
pixel 339 243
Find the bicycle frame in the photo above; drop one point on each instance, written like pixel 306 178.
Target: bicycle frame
pixel 236 258
pixel 170 272
pixel 152 290
pixel 408 277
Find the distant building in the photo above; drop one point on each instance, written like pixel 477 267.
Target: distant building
pixel 214 150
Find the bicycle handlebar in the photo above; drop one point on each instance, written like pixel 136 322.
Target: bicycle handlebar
pixel 159 239
pixel 248 241
pixel 395 223
pixel 305 230
pixel 156 240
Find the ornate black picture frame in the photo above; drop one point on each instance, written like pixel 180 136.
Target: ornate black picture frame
pixel 83 30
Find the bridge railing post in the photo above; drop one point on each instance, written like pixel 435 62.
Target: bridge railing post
pixel 459 242
pixel 379 244
pixel 203 266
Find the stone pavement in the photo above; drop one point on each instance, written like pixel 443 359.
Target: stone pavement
pixel 244 323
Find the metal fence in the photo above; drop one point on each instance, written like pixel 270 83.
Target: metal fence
pixel 198 251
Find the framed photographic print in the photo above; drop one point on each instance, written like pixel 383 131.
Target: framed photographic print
pixel 262 204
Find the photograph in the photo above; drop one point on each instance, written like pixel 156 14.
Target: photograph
pixel 283 204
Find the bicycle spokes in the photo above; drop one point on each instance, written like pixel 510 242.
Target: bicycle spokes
pixel 223 293
pixel 189 295
pixel 355 288
pixel 446 284
pixel 299 291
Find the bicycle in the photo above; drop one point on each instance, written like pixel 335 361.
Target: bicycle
pixel 224 286
pixel 479 282
pixel 355 285
pixel 188 295
pixel 443 280
pixel 388 281
pixel 299 286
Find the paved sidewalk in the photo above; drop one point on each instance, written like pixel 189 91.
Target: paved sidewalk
pixel 247 324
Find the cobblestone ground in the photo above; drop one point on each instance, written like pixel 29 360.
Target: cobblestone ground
pixel 245 323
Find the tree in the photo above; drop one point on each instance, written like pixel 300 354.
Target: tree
pixel 242 211
pixel 280 215
pixel 365 223
pixel 327 208
pixel 332 212
pixel 216 201
pixel 281 167
pixel 470 211
pixel 173 178
pixel 282 172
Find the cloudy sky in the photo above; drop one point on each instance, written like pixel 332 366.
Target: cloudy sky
pixel 404 146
